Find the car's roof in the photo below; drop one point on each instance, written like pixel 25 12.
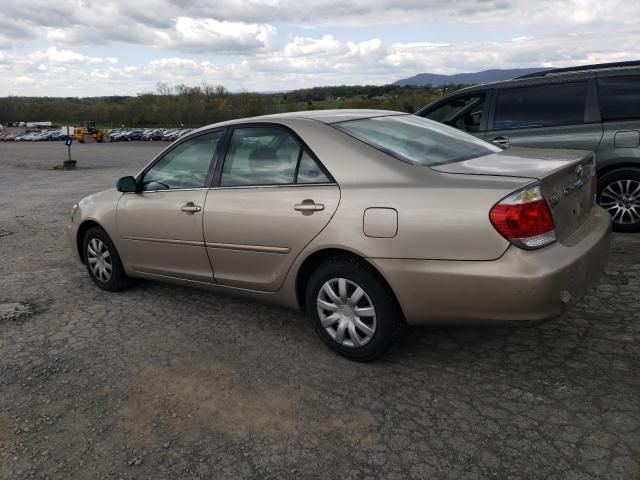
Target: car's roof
pixel 333 116
pixel 324 116
pixel 550 76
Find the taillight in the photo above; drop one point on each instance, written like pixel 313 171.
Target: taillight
pixel 524 219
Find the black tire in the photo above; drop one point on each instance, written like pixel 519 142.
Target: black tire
pixel 390 324
pixel 607 184
pixel 117 279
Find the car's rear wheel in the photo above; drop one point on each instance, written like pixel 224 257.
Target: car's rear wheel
pixel 103 262
pixel 619 194
pixel 353 309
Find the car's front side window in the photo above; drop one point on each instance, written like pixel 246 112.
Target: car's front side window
pixel 184 167
pixel 464 113
pixel 267 156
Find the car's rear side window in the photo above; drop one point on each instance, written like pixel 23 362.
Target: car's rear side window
pixel 619 97
pixel 417 140
pixel 268 156
pixel 547 105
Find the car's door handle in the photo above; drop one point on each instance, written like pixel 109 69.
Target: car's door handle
pixel 190 208
pixel 309 206
pixel 501 140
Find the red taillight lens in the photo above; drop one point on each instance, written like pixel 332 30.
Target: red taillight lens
pixel 524 219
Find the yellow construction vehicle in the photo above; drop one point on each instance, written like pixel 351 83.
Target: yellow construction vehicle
pixel 89 133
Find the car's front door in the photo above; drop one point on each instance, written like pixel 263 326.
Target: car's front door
pixel 272 198
pixel 552 115
pixel 160 228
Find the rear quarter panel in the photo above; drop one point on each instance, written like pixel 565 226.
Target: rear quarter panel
pixel 619 146
pixel 440 215
pixel 449 221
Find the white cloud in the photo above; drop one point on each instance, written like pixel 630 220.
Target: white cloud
pixel 174 63
pixel 306 62
pixel 206 34
pixel 23 80
pixel 238 26
pixel 70 57
pixel 117 47
pixel 301 46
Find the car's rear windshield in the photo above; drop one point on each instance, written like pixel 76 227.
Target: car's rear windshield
pixel 417 140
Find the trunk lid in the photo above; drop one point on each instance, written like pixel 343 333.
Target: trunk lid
pixel 566 177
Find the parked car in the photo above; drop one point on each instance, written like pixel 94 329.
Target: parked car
pixel 366 219
pixel 593 107
pixel 168 133
pixel 133 135
pixel 153 134
pixel 119 134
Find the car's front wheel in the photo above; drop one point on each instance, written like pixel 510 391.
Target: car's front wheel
pixel 353 309
pixel 619 194
pixel 103 262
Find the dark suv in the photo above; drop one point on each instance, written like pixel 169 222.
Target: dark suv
pixel 592 107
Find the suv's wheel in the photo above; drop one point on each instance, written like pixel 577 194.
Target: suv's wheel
pixel 353 310
pixel 619 193
pixel 103 262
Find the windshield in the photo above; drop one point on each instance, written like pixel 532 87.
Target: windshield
pixel 417 140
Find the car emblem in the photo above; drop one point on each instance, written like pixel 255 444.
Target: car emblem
pixel 579 171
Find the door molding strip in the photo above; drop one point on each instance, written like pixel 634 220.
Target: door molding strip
pixel 223 246
pixel 249 248
pixel 190 243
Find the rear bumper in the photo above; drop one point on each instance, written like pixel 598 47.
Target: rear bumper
pixel 519 286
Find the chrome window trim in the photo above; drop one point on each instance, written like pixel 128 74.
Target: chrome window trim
pixel 234 187
pixel 167 190
pixel 280 185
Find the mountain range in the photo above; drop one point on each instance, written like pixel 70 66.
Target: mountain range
pixel 437 80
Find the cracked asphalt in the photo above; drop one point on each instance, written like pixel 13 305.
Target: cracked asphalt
pixel 167 382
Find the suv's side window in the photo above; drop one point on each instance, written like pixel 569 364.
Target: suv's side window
pixel 541 106
pixel 186 166
pixel 464 113
pixel 619 97
pixel 268 156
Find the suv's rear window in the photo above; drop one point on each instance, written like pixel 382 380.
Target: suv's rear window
pixel 416 140
pixel 619 97
pixel 541 106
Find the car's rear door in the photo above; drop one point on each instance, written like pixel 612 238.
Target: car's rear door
pixel 548 115
pixel 160 228
pixel 272 198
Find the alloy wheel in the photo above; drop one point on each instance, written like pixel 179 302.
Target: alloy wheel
pixel 346 312
pixel 622 199
pixel 99 259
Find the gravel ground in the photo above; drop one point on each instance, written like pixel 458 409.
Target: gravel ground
pixel 167 382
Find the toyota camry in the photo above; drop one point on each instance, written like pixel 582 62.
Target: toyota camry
pixel 368 220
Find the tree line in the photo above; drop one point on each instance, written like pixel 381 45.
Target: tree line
pixel 183 105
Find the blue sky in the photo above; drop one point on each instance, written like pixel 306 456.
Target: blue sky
pixel 107 47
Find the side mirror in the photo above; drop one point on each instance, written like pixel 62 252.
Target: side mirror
pixel 127 185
